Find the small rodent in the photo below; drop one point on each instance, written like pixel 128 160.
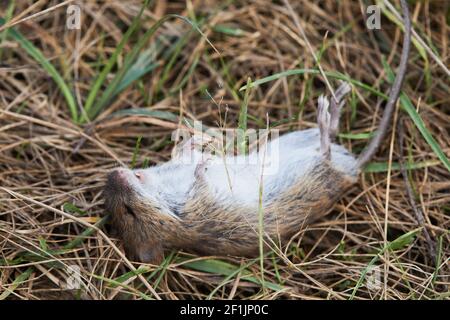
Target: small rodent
pixel 211 208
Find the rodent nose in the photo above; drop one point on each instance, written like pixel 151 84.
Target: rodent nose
pixel 121 173
pixel 117 192
pixel 118 177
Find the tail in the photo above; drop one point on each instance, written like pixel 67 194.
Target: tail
pixel 374 144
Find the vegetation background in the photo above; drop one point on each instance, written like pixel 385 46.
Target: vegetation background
pixel 75 103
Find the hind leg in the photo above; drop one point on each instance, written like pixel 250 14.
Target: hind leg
pixel 336 107
pixel 323 120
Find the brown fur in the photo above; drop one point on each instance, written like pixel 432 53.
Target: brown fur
pixel 208 226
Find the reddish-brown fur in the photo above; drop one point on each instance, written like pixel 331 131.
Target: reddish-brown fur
pixel 210 227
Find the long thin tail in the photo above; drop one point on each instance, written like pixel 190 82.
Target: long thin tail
pixel 374 144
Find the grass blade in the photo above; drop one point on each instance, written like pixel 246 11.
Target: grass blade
pixel 19 280
pixel 141 67
pixel 82 236
pixel 115 284
pixel 8 15
pixel 384 166
pixel 405 101
pixel 409 108
pixel 111 62
pixel 242 123
pixel 164 115
pixel 334 75
pixel 37 55
pixel 136 152
pixel 356 136
pixel 414 115
pixel 398 243
pixel 226 269
pixel 128 275
pixel 131 57
pixel 229 31
pixel 176 50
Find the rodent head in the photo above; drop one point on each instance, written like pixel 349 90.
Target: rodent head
pixel 133 210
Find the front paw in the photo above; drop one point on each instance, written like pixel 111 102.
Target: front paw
pixel 202 167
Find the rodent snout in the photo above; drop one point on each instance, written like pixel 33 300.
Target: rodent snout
pixel 117 182
pixel 118 192
pixel 118 176
pixel 123 181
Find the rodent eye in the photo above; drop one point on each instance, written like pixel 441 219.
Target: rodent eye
pixel 129 210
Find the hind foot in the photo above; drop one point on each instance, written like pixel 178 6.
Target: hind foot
pixel 323 120
pixel 336 107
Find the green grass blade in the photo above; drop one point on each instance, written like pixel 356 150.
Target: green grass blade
pixel 131 57
pixel 356 136
pixel 116 284
pixel 224 268
pixel 334 75
pixel 404 100
pixel 43 244
pixel 128 275
pixel 230 31
pixel 136 152
pixel 374 167
pixel 242 123
pixel 19 280
pixel 229 277
pixel 71 208
pixel 398 243
pixel 187 76
pixel 414 115
pixel 439 255
pixel 211 266
pixel 409 108
pixel 140 68
pixel 112 87
pixel 37 55
pixel 147 61
pixel 164 115
pixel 404 240
pixel 8 15
pixel 422 51
pixel 163 268
pixel 111 62
pixel 82 236
pixel 177 47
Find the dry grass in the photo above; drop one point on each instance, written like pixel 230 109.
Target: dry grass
pixel 52 169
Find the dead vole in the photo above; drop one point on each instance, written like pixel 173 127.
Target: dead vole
pixel 212 205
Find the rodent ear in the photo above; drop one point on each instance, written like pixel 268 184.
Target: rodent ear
pixel 151 253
